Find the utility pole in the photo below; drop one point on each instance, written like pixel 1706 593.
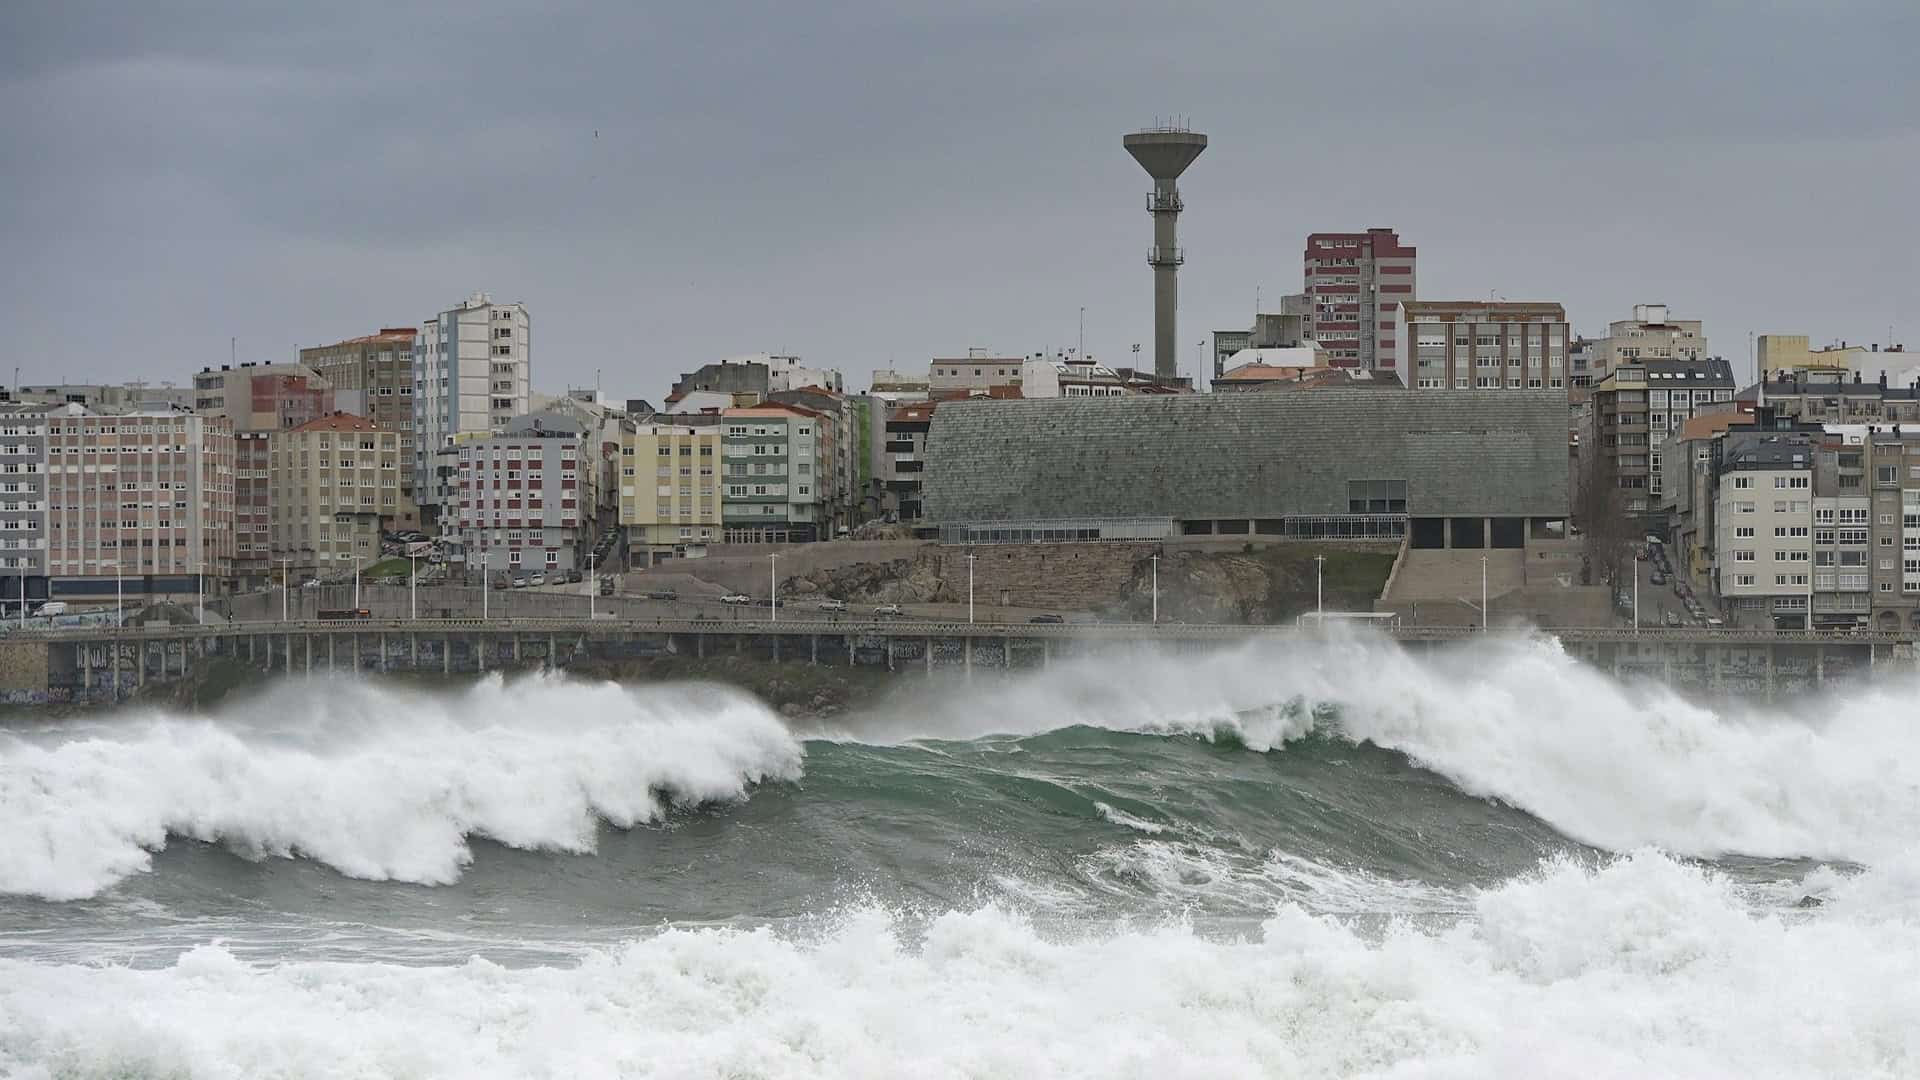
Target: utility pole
pixel 773 586
pixel 593 587
pixel 413 587
pixel 283 589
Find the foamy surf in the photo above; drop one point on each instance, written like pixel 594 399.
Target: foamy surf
pixel 1642 967
pixel 374 782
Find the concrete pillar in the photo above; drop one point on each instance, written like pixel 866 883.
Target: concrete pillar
pixel 966 654
pixel 140 664
pixel 553 648
pixel 849 644
pixel 700 644
pixel 251 640
pixel 1046 653
pixel 480 644
pixel 413 650
pixel 333 650
pixel 929 656
pixel 776 648
pixel 516 648
pixel 1769 649
pixel 86 669
pixel 309 641
pixel 286 653
pixel 1820 665
pixel 736 644
pixel 813 655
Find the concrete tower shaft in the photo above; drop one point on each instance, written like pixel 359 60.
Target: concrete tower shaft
pixel 1165 153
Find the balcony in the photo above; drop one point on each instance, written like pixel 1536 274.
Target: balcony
pixel 1168 256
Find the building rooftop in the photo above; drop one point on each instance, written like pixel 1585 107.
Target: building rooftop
pixel 1498 309
pixel 393 334
pixel 339 421
pixel 1707 425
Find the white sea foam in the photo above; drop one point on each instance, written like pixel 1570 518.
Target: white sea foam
pixel 1612 765
pixel 1643 968
pixel 375 782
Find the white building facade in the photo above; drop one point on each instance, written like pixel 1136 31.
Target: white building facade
pixel 472 368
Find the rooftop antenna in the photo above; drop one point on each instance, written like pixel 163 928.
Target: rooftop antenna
pixel 1165 151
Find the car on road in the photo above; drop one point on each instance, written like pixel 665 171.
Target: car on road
pixel 1658 578
pixel 736 598
pixel 1641 555
pixel 888 611
pixel 776 603
pixel 838 606
pixel 606 586
pixel 661 594
pixel 1046 619
pixel 1673 618
pixel 537 580
pixel 573 577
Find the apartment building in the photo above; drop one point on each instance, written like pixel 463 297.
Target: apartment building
pixel 1652 334
pixel 1477 345
pixel 521 497
pixel 670 488
pixel 372 376
pixel 900 458
pixel 1284 329
pixel 1355 286
pixel 472 373
pixel 1834 396
pixel 979 371
pixel 1891 464
pixel 333 488
pixel 1633 410
pixel 773 473
pixel 1764 546
pixel 262 397
pixel 23 498
pixel 144 494
pixel 839 467
pixel 253 507
pixel 1790 354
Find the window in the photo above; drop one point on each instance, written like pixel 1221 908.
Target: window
pixel 1744 580
pixel 1743 532
pixel 1743 556
pixel 1741 483
pixel 1376 496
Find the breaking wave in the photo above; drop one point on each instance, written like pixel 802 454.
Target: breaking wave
pixel 1643 966
pixel 375 782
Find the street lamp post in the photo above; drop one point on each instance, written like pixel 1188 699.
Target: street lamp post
pixel 773 587
pixel 283 589
pixel 119 608
pixel 1319 593
pixel 200 592
pixel 1486 621
pixel 413 587
pixel 1155 560
pixel 970 559
pixel 486 586
pixel 592 587
pixel 1636 595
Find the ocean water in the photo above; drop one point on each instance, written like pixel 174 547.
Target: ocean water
pixel 1278 861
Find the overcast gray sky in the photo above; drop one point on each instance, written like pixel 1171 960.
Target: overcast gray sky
pixel 875 183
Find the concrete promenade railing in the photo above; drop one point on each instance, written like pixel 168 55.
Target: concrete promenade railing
pixel 912 628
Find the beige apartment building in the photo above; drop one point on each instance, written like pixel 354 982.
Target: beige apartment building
pixel 334 485
pixel 1652 334
pixel 262 397
pixel 372 376
pixel 145 493
pixel 670 490
pixel 1478 345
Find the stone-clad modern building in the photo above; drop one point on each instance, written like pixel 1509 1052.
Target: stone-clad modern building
pixel 1468 468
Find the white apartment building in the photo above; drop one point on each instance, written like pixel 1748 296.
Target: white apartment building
pixel 472 370
pixel 523 497
pixel 1764 545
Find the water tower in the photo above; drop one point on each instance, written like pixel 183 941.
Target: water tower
pixel 1165 152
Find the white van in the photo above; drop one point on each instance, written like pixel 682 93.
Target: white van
pixel 52 608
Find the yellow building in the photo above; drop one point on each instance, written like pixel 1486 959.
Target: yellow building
pixel 669 491
pixel 334 485
pixel 1789 352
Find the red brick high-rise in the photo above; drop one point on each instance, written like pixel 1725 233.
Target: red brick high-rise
pixel 1355 283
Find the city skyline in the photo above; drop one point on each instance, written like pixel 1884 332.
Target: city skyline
pixel 667 189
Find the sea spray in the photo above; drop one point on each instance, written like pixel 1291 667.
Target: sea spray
pixel 1642 966
pixel 375 782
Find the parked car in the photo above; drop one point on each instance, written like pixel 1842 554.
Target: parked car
pixel 502 583
pixel 1046 619
pixel 833 605
pixel 736 598
pixel 1673 618
pixel 888 611
pixel 519 581
pixel 1658 578
pixel 536 579
pixel 573 577
pixel 52 608
pixel 661 594
pixel 606 586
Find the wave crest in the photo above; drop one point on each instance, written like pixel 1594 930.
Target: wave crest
pixel 375 782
